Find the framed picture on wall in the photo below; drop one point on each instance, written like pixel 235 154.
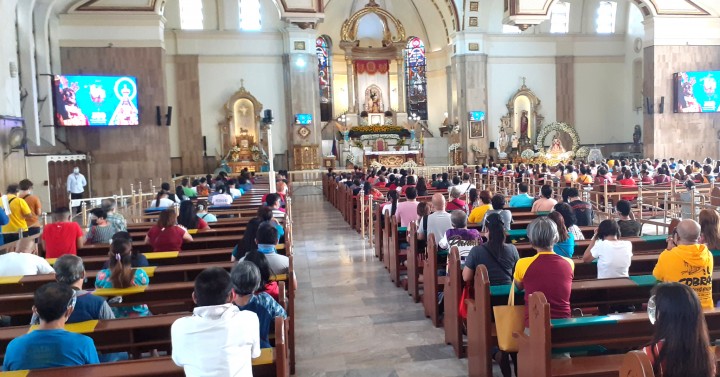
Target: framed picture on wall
pixel 476 129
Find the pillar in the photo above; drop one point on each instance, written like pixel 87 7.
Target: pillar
pixel 350 85
pixel 401 85
pixel 471 91
pixel 565 93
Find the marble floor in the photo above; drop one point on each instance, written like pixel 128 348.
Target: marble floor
pixel 351 320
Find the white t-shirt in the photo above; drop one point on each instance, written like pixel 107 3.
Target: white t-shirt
pixel 19 264
pixel 216 341
pixel 164 203
pixel 613 257
pixel 222 200
pixel 235 192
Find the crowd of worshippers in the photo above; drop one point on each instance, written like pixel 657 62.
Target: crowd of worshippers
pixel 234 313
pixel 687 259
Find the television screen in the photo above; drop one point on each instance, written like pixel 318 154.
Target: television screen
pixel 696 92
pixel 95 100
pixel 303 118
pixel 477 116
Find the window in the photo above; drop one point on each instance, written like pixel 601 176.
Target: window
pixel 191 14
pixel 606 17
pixel 415 78
pixel 510 29
pixel 322 50
pixel 250 15
pixel 560 18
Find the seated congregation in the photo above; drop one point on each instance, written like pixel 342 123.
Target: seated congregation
pixel 538 270
pixel 189 289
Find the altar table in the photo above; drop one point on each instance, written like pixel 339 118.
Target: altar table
pixel 390 158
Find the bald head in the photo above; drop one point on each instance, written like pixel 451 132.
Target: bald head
pixel 438 201
pixel 688 231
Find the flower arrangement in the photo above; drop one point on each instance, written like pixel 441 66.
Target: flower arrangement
pixel 453 147
pixel 558 126
pixel 400 142
pixel 379 136
pixel 358 131
pixel 527 154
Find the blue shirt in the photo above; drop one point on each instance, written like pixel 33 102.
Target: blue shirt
pixel 566 248
pixel 266 309
pixel 521 201
pixel 49 349
pixel 208 217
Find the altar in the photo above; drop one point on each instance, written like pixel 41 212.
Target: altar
pixel 390 158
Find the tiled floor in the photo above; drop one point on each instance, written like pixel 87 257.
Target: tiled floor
pixel 351 320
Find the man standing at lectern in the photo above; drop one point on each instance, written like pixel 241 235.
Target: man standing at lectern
pixel 76 186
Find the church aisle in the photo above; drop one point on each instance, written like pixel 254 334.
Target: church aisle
pixel 351 320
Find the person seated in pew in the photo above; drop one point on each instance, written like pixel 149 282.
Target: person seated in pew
pixel 244 183
pixel 187 189
pixel 458 233
pixel 687 261
pixel 247 243
pixel 266 285
pixel 22 261
pixel 221 198
pixel 585 176
pixel 370 190
pixel 70 271
pixel 180 194
pixel 407 211
pixel 273 201
pixel 498 257
pixel 565 244
pixel 602 177
pixel 188 217
pixel 473 199
pixel 409 182
pixel 245 278
pixel 710 228
pixel 522 199
pixel 613 254
pixel 202 188
pixel 680 344
pixel 498 205
pixel 172 195
pixel 570 220
pixel 167 235
pixel 391 203
pixel 232 190
pixel 455 183
pixel 438 222
pixel 583 210
pixel 109 205
pixel 455 202
pixel 201 211
pixel 62 236
pixel 267 239
pixel 381 181
pixel 546 271
pixel 137 259
pixel 444 182
pixel 121 274
pixel 50 345
pixel 218 339
pixel 546 202
pixel 628 226
pixel 101 231
pixel 478 213
pixel 162 200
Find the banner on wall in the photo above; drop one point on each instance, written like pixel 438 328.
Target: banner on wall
pixel 372 67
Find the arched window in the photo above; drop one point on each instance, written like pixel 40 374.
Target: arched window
pixel 250 15
pixel 322 50
pixel 560 17
pixel 606 17
pixel 415 78
pixel 191 14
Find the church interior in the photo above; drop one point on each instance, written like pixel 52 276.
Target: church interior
pixel 303 96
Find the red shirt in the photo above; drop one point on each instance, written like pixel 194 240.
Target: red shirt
pixel 456 204
pixel 167 239
pixel 61 238
pixel 629 182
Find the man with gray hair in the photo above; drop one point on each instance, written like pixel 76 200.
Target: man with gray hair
pixel 438 222
pixel 686 260
pixel 69 270
pixel 459 232
pixel 109 205
pixel 546 271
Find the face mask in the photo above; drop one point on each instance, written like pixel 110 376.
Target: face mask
pixel 652 310
pixel 76 170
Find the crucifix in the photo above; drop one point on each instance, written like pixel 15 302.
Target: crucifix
pixel 242 83
pixel 523 79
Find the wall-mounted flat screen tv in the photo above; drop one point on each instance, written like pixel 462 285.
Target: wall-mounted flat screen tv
pixel 303 119
pixel 95 101
pixel 477 116
pixel 696 92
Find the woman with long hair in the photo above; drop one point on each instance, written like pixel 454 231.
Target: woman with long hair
pixel 266 274
pixel 166 235
pixel 566 242
pixel 472 199
pixel 391 206
pixel 570 219
pixel 680 346
pixel 247 243
pixel 421 187
pixel 497 256
pixel 710 228
pixel 121 274
pixel 188 217
pixel 161 200
pixel 478 213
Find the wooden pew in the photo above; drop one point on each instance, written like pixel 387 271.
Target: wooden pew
pixel 432 283
pixel 453 290
pixel 415 257
pixel 378 223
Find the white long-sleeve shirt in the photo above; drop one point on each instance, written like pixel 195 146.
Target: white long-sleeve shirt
pixel 76 183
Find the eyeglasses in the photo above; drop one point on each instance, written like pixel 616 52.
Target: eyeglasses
pixel 652 310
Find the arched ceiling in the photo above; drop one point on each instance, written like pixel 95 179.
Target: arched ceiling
pixel 431 20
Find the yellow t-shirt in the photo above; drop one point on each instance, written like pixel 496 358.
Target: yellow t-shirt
pixel 18 209
pixel 478 213
pixel 691 265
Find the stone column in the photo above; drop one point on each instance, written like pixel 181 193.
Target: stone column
pixel 351 85
pixel 401 86
pixel 471 84
pixel 565 97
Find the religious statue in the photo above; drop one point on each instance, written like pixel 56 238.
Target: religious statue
pixel 637 134
pixel 375 102
pixel 515 141
pixel 556 146
pixel 502 140
pixel 524 125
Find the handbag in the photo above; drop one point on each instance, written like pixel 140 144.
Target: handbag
pixel 467 293
pixel 509 319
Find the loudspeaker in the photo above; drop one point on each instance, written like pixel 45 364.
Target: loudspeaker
pixel 168 117
pixel 649 108
pixel 268 118
pixel 205 146
pixel 492 145
pixel 661 108
pixel 158 116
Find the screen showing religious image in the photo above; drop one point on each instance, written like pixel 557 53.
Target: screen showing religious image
pixel 415 78
pixel 96 101
pixel 303 119
pixel 696 92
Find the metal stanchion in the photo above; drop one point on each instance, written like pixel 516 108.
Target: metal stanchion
pixel 361 196
pixel 371 228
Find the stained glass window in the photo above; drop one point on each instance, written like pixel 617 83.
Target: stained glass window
pixel 322 50
pixel 191 14
pixel 415 78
